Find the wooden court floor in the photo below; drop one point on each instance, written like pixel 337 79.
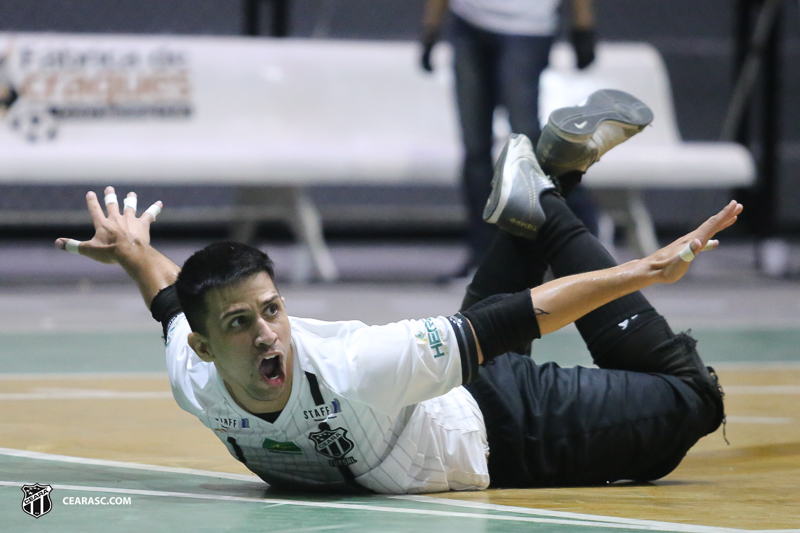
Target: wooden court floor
pixel 753 483
pixel 82 382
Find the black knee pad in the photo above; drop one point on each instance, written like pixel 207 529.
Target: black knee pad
pixel 639 342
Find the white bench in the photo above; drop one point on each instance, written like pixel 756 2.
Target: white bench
pixel 266 115
pixel 272 116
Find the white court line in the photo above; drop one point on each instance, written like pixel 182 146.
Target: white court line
pixel 83 375
pixel 596 520
pixel 120 464
pixel 562 514
pixel 762 389
pixel 41 393
pixel 758 420
pixel 398 510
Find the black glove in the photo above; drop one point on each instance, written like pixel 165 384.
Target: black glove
pixel 429 39
pixel 584 42
pixel 7 96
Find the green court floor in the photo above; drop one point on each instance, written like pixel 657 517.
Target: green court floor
pixel 143 351
pixel 161 499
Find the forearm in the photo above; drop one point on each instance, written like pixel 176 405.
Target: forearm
pixel 150 269
pixel 510 321
pixel 564 300
pixel 582 14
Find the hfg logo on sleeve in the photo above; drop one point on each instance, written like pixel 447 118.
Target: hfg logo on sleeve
pixel 434 338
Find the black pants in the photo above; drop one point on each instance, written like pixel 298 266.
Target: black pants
pixel 633 418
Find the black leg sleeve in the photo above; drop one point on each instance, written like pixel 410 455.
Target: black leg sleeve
pixel 514 264
pixel 511 265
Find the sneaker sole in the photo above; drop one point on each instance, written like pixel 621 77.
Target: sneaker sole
pixel 578 123
pixel 501 189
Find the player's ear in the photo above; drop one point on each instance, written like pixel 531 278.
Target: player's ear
pixel 201 347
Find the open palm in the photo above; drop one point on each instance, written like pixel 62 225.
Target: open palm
pixel 667 262
pixel 116 233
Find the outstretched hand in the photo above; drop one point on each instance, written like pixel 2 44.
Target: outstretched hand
pixel 116 235
pixel 671 262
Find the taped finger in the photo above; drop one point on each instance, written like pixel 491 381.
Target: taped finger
pixel 72 246
pixel 687 254
pixel 710 245
pixel 111 199
pixel 130 202
pixel 154 210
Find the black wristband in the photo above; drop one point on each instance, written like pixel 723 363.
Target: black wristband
pixel 165 306
pixel 466 347
pixel 502 324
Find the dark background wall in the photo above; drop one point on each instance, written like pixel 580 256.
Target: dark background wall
pixel 694 36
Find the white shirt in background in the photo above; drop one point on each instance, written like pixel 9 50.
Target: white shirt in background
pixel 516 17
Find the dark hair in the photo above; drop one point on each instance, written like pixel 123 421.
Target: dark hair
pixel 217 265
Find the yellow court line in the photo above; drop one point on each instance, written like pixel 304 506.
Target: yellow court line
pixel 41 393
pixel 762 389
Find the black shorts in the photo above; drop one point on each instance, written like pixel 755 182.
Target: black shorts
pixel 552 426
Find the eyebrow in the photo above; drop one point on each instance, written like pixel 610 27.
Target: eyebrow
pixel 235 311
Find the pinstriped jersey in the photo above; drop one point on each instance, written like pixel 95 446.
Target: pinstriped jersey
pixel 379 406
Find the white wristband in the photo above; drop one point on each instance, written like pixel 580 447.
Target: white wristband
pixel 687 254
pixel 130 202
pixel 111 199
pixel 72 246
pixel 154 210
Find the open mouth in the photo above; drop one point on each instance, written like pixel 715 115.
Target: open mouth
pixel 271 370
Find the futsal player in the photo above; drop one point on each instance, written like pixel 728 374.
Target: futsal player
pixel 443 403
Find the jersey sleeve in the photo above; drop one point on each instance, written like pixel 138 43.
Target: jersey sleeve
pixel 392 366
pixel 188 374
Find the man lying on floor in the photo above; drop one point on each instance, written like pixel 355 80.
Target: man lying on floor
pixel 449 402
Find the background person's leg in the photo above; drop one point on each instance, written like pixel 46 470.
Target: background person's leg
pixel 522 59
pixel 476 94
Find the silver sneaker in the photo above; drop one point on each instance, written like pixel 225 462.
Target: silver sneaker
pixel 518 182
pixel 575 138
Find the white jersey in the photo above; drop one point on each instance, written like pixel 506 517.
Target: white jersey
pixel 515 17
pixel 378 405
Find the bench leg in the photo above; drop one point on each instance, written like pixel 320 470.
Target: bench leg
pixel 307 225
pixel 605 233
pixel 626 208
pixel 645 234
pixel 291 205
pixel 244 231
